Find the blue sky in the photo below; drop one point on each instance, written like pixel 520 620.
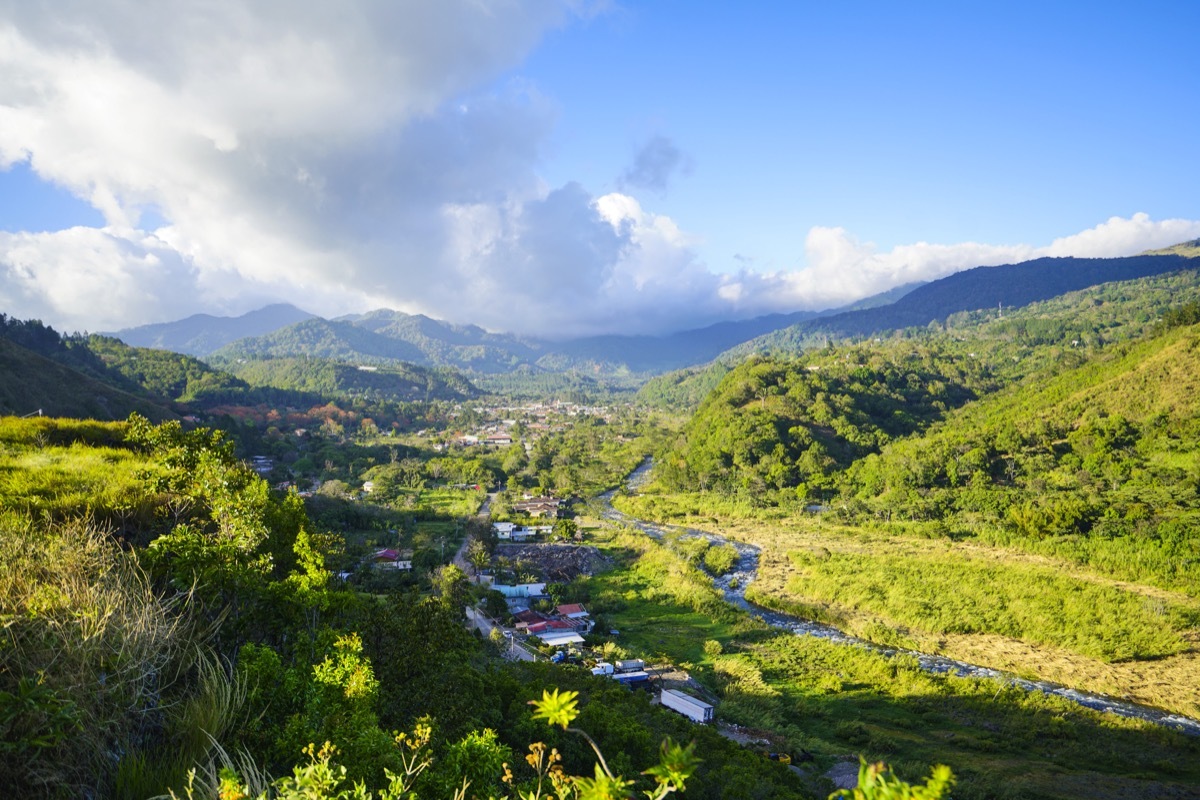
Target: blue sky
pixel 945 122
pixel 576 168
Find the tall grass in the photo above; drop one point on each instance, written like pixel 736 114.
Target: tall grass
pixel 82 625
pixel 944 593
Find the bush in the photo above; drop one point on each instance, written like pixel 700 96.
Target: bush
pixel 720 559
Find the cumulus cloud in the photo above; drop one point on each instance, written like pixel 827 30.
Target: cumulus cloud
pixel 84 278
pixel 292 147
pixel 655 165
pixel 363 154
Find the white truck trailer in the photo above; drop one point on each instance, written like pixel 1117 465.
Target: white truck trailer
pixel 690 707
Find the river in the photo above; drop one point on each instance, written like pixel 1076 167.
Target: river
pixel 734 587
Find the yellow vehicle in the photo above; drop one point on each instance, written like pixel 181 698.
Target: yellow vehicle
pixel 782 758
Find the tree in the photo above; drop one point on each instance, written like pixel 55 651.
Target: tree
pixel 495 605
pixel 453 588
pixel 477 556
pixel 565 529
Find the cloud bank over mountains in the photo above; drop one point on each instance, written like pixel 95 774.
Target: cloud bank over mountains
pixel 364 154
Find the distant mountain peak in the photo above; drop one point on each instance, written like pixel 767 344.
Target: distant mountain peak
pixel 203 334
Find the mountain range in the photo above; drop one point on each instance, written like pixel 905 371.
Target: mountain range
pixel 201 334
pixel 386 337
pixel 1008 286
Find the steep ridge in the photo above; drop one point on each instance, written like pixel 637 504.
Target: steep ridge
pixel 1003 287
pixel 32 384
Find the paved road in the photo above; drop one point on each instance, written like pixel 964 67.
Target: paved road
pixel 485 512
pixel 514 652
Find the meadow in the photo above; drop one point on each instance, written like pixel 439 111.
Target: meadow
pixel 828 701
pixel 1037 615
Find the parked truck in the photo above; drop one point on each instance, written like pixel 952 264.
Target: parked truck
pixel 632 679
pixel 690 707
pixel 632 665
pixel 602 668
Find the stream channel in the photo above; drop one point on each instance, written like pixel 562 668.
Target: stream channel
pixel 734 586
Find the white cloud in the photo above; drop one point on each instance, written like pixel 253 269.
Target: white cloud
pixel 841 269
pixel 84 278
pixel 290 145
pixel 1124 237
pixel 362 154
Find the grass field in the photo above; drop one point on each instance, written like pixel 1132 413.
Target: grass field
pixel 835 700
pixel 1035 615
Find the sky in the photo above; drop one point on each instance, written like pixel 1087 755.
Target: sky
pixel 576 167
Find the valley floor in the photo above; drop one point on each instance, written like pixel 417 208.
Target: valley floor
pixel 832 700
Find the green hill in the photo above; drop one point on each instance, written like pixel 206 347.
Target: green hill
pixel 31 383
pixel 330 378
pixel 1003 289
pixel 1186 249
pixel 781 424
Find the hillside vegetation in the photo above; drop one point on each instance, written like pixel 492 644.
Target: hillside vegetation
pixel 1019 491
pixel 34 384
pixel 329 378
pixel 1009 287
pixel 165 612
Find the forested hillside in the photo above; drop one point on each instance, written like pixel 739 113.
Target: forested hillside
pixel 34 384
pixel 1005 287
pixel 1104 452
pixel 104 378
pixel 772 425
pixel 329 378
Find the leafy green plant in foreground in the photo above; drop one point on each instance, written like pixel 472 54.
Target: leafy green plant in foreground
pixel 323 779
pixel 877 782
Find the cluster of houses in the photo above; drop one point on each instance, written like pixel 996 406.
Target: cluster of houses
pixel 390 558
pixel 567 624
pixel 537 420
pixel 491 440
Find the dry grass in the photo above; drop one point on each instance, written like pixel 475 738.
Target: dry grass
pixel 1171 683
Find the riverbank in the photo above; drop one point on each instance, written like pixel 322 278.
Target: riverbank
pixel 1006 615
pixel 831 701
